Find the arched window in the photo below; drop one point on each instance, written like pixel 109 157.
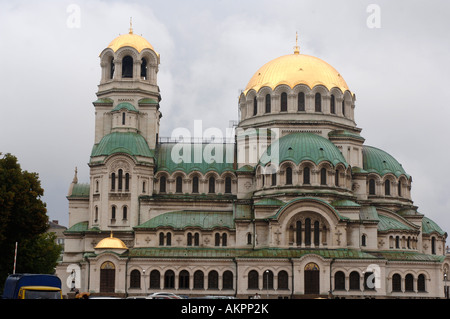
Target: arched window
pixel 396 283
pixel 268 279
pixel 354 281
pixel 298 237
pixel 127 181
pixel 169 239
pixel 253 280
pixel 274 179
pixel 162 184
pixel 179 184
pixel 111 70
pixel 363 240
pixel 339 281
pixel 161 239
pixel 268 103
pixel 213 280
pixel 399 189
pixel 301 102
pixel 169 279
pixel 199 279
pixel 284 102
pixel 195 184
pixel 155 279
pixel 113 212
pixel 323 176
pixel 127 67
pixel 249 239
pixel 343 107
pixel 96 214
pixel 183 280
pixel 255 106
pixel 144 69
pixel 224 239
pixel 316 233
pixel 228 185
pixel 124 212
pixel 332 105
pixel 409 283
pixel 397 242
pixel 120 181
pixel 421 283
pixel 217 239
pixel 387 187
pixel 283 280
pixel 318 102
pixel 288 175
pixel 306 175
pixel 336 178
pixel 307 231
pixel 123 118
pixel 113 181
pixel 227 278
pixel 212 185
pixel 433 245
pixel 189 239
pixel 135 279
pixel 196 239
pixel 371 186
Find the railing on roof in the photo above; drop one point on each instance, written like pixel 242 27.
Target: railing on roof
pixel 197 140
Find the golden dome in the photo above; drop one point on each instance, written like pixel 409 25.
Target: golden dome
pixel 294 69
pixel 111 243
pixel 130 40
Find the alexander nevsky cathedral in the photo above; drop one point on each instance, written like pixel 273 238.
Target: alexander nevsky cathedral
pixel 296 205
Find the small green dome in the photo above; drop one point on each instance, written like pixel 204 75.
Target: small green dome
pixel 298 147
pixel 126 106
pixel 378 161
pixel 122 142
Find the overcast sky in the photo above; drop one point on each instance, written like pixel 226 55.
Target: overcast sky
pixel 395 62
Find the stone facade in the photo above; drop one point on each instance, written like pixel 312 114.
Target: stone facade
pixel 297 207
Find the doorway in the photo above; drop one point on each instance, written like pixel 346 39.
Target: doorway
pixel 312 279
pixel 107 277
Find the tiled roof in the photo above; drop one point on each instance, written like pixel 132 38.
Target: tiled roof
pixel 183 219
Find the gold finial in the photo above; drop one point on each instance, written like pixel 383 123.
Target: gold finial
pixel 296 48
pixel 131 26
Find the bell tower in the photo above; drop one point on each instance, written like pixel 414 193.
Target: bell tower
pixel 127 119
pixel 129 74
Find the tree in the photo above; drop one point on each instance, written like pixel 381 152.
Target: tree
pixel 23 219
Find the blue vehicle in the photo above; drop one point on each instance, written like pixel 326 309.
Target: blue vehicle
pixel 32 286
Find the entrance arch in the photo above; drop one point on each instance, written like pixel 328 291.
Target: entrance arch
pixel 107 277
pixel 312 279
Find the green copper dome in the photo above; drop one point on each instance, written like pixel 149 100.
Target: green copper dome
pixel 378 161
pixel 122 142
pixel 298 147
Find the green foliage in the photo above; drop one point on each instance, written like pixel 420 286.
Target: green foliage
pixel 23 219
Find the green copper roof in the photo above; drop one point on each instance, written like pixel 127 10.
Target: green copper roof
pixel 380 162
pixel 126 106
pixel 298 147
pixel 79 227
pixel 344 203
pixel 269 202
pixel 388 223
pixel 429 226
pixel 345 134
pixel 80 190
pixel 196 157
pixel 122 142
pixel 183 219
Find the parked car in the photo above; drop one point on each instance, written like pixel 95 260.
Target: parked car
pixel 163 295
